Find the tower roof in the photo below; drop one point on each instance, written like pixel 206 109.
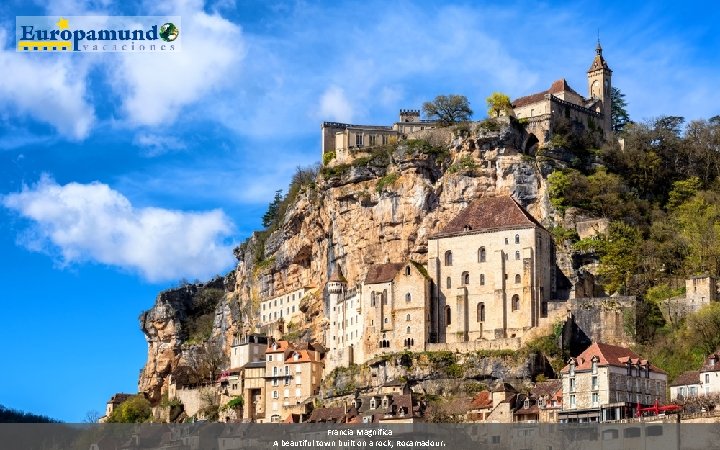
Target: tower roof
pixel 337 276
pixel 489 213
pixel 599 62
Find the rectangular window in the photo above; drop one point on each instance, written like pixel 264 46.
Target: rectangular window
pixel 572 384
pixel 572 401
pixel 707 377
pixel 594 383
pixel 373 139
pixel 298 380
pixel 384 139
pixel 595 398
pixel 298 392
pixel 358 140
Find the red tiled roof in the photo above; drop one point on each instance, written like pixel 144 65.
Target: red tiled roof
pixel 555 88
pixel 337 276
pixel 281 347
pixel 488 213
pixel 382 273
pixel 482 400
pixel 335 415
pixel 304 357
pixel 609 355
pixel 685 378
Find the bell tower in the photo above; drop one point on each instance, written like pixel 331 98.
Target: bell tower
pixel 600 87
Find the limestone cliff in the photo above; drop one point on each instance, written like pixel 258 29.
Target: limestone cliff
pixel 380 208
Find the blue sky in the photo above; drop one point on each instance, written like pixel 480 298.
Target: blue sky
pixel 121 174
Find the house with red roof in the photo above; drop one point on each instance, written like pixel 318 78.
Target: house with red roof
pixel 608 382
pixel 492 268
pixel 542 110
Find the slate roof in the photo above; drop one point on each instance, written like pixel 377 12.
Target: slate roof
pixel 599 62
pixel 489 213
pixel 609 355
pixel 382 273
pixel 685 378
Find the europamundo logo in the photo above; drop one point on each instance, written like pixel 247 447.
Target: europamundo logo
pixel 97 33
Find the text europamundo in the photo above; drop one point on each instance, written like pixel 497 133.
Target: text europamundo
pixel 98 33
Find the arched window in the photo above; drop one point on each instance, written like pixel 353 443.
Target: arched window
pixel 407 270
pixel 408 297
pixel 384 297
pixel 515 302
pixel 408 330
pixel 517 256
pixel 448 283
pixel 465 278
pixel 517 238
pixel 506 241
pixel 517 278
pixel 448 258
pixel 481 254
pixel 372 299
pixel 481 312
pixel 407 318
pixel 448 316
pixel 482 279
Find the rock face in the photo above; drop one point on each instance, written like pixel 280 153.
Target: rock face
pixel 378 209
pixel 165 329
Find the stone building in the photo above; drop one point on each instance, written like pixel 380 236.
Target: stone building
pixel 345 323
pixel 607 382
pixel 386 313
pixel 543 109
pixel 685 386
pixel 395 308
pixel 292 375
pixel 493 272
pixel 348 140
pixel 247 348
pixel 283 306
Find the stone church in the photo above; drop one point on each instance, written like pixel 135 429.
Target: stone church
pixel 543 109
pixel 493 273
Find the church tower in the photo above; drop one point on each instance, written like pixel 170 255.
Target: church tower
pixel 600 87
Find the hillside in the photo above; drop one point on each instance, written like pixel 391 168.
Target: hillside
pixel 382 207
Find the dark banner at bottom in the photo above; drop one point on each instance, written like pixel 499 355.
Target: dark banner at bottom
pixel 217 436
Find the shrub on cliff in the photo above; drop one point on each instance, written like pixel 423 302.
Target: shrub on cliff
pixel 136 409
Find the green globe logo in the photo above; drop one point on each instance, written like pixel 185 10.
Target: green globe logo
pixel 169 32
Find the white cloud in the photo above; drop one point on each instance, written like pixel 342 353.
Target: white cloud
pixel 334 105
pixel 156 145
pixel 156 87
pixel 94 223
pixel 48 88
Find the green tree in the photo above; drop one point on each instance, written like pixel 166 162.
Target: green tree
pixel 698 224
pixel 271 214
pixel 448 109
pixel 704 327
pixel 136 409
pixel 619 256
pixel 498 103
pixel 618 110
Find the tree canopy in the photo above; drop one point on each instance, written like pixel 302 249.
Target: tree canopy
pixel 448 109
pixel 498 103
pixel 618 108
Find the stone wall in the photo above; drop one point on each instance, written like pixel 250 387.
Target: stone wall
pixel 473 346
